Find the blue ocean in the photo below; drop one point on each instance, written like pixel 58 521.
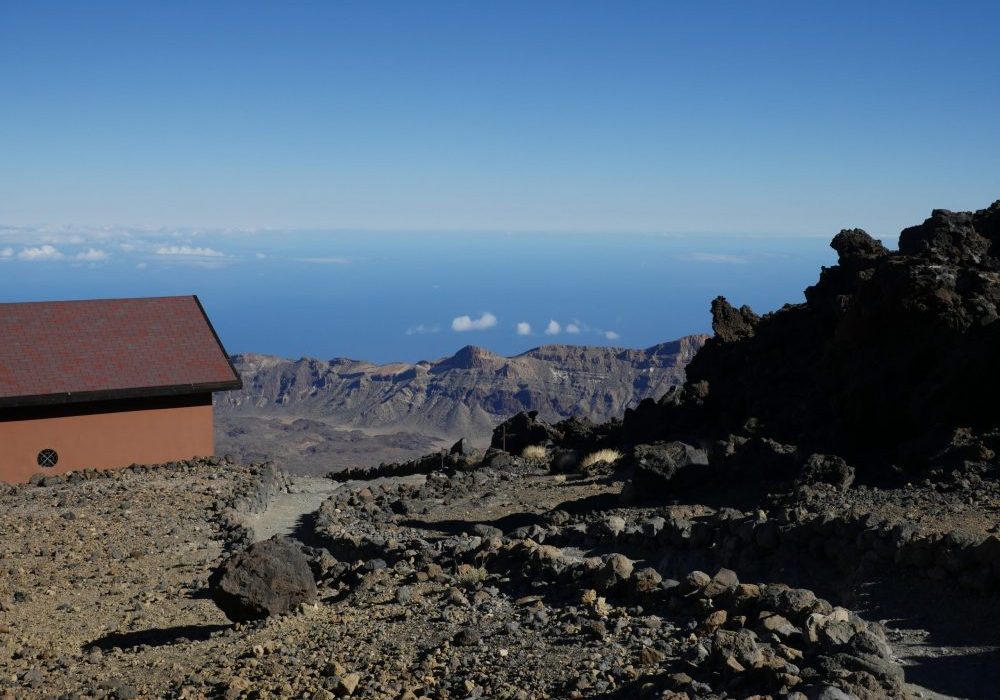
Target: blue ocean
pixel 422 295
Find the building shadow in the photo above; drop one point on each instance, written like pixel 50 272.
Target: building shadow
pixel 972 676
pixel 456 527
pixel 156 637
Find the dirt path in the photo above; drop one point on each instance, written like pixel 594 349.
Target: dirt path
pixel 292 513
pixel 286 512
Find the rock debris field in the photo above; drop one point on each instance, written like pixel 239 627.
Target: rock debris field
pixel 476 581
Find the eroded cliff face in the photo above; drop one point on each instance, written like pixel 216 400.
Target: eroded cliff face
pixel 466 394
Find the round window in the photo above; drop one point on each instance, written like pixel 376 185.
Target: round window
pixel 47 458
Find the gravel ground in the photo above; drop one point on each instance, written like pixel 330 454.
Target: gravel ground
pixel 438 587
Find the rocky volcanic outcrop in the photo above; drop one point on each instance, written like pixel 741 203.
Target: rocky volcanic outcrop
pixel 890 353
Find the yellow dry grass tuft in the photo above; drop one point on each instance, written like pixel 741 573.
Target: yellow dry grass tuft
pixel 600 457
pixel 535 452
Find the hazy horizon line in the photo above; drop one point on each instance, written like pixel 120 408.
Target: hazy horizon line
pixel 139 229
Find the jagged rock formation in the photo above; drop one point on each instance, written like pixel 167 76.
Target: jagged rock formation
pixel 466 394
pixel 890 352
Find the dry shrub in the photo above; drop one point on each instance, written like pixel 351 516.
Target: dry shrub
pixel 535 452
pixel 599 458
pixel 469 576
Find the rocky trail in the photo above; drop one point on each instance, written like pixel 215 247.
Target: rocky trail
pixel 292 512
pixel 288 511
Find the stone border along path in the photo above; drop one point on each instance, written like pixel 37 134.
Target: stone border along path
pixel 290 513
pixel 287 512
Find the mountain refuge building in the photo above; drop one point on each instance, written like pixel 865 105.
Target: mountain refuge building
pixel 107 383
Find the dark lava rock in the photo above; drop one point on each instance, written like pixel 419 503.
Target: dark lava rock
pixel 498 459
pixel 731 324
pixel 584 435
pixel 652 419
pixel 565 461
pixel 662 464
pixel 459 448
pixel 826 469
pixel 467 637
pixel 856 249
pixel 523 430
pixel 724 581
pixel 889 347
pixel 268 578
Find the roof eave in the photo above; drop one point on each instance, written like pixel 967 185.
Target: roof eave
pixel 117 394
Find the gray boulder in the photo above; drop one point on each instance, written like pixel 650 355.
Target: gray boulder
pixel 268 578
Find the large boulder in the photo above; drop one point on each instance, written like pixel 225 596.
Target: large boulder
pixel 523 430
pixel 268 578
pixel 579 434
pixel 664 465
pixel 653 420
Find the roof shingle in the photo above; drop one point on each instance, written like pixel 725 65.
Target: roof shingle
pixel 70 351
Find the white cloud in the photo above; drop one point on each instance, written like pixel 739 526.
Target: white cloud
pixel 92 255
pixel 260 256
pixel 422 329
pixel 188 251
pixel 611 335
pixel 142 266
pixel 45 252
pixel 466 323
pixel 6 253
pixel 572 328
pixel 716 258
pixel 553 328
pixel 524 328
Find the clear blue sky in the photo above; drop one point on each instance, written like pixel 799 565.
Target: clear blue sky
pixel 742 117
pixel 139 141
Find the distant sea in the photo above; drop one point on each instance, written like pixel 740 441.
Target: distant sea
pixel 396 296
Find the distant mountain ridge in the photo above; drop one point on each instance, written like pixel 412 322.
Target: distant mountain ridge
pixel 465 394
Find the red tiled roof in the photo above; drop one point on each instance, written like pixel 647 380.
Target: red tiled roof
pixel 70 351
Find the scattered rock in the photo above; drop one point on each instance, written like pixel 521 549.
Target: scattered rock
pixel 661 466
pixel 467 637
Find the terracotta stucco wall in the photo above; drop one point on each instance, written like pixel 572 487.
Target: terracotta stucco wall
pixel 105 440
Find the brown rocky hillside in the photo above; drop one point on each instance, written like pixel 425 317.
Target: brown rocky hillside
pixel 314 415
